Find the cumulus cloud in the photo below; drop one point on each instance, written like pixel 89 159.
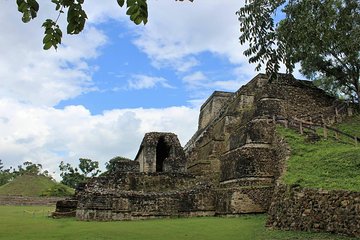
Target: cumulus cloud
pixel 47 135
pixel 198 81
pixel 194 77
pixel 187 29
pixel 139 81
pixel 32 75
pixel 177 38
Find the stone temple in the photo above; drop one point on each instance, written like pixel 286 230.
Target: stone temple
pixel 230 166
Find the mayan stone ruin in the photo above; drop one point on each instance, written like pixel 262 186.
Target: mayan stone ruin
pixel 230 166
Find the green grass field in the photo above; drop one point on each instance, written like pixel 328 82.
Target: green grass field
pixel 326 164
pixel 18 222
pixel 351 125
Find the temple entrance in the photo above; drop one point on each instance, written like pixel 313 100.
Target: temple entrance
pixel 162 152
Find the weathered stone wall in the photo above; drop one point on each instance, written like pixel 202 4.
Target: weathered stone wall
pixel 143 182
pixel 239 146
pixel 205 158
pixel 128 205
pixel 20 200
pixel 212 106
pixel 125 165
pixel 230 201
pixel 295 208
pixel 65 208
pixel 249 161
pixel 161 152
pixel 293 98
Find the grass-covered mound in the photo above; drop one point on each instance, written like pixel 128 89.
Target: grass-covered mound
pixel 327 164
pixel 35 186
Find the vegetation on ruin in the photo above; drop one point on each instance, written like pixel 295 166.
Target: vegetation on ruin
pixel 35 186
pixel 19 222
pixel 351 126
pixel 326 164
pixel 322 36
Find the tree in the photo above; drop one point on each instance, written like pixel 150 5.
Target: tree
pixel 72 177
pixel 5 174
pixel 76 16
pixel 321 35
pixel 87 166
pixel 31 168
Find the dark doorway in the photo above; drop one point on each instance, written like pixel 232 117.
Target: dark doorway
pixel 162 152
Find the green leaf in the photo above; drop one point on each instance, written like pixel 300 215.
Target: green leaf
pixel 72 13
pixel 121 2
pixel 34 5
pixel 58 31
pixel 20 4
pixel 47 38
pixel 130 3
pixel 138 20
pixel 132 10
pixel 142 4
pixel 26 17
pixel 33 13
pixel 47 45
pixel 71 28
pixel 49 31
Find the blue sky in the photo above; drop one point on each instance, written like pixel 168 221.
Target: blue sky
pixel 97 95
pixel 121 62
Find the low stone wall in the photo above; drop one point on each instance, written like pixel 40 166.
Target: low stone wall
pixel 65 208
pixel 130 205
pixel 136 181
pixel 295 208
pixel 20 200
pixel 233 201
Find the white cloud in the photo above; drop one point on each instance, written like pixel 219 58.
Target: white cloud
pixel 177 37
pixel 107 10
pixel 47 135
pixel 139 81
pixel 32 75
pixel 195 77
pixel 231 85
pixel 198 81
pixel 187 29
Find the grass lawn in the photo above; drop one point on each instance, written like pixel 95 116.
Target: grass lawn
pixel 326 164
pixel 18 222
pixel 351 125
